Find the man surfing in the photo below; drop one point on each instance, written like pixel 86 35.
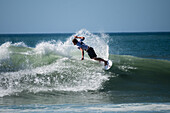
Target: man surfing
pixel 83 47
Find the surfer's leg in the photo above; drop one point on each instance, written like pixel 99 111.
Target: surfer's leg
pixel 93 55
pixel 100 59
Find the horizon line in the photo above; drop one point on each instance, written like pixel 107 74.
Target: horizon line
pixel 31 33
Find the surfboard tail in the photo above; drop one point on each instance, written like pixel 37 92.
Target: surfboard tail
pixel 109 65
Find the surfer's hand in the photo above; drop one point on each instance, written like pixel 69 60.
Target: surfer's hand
pixel 82 58
pixel 75 36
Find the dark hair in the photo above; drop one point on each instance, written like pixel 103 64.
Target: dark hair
pixel 75 41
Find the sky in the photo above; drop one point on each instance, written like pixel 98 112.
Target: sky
pixel 69 16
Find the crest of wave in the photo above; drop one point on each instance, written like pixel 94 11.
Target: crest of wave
pixel 4 49
pixel 98 42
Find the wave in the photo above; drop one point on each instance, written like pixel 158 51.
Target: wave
pixel 51 65
pixel 56 66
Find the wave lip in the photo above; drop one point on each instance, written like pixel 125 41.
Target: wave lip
pixel 4 53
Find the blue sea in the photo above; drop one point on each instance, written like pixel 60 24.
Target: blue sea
pixel 43 73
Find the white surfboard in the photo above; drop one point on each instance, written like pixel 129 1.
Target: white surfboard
pixel 109 65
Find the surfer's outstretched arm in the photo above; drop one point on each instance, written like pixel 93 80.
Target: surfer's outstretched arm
pixel 79 37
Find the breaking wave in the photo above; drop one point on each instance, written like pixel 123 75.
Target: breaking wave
pixel 56 66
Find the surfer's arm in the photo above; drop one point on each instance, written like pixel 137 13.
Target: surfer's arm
pixel 80 37
pixel 82 52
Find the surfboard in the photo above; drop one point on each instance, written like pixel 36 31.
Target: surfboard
pixel 109 65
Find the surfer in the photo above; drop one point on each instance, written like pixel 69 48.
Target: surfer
pixel 82 46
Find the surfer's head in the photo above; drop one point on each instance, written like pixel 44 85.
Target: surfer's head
pixel 74 41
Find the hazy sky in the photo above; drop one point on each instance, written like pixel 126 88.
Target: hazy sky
pixel 60 16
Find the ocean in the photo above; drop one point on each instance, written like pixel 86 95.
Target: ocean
pixel 43 73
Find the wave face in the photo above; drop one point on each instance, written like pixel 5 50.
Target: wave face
pixel 130 73
pixel 56 66
pixel 51 65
